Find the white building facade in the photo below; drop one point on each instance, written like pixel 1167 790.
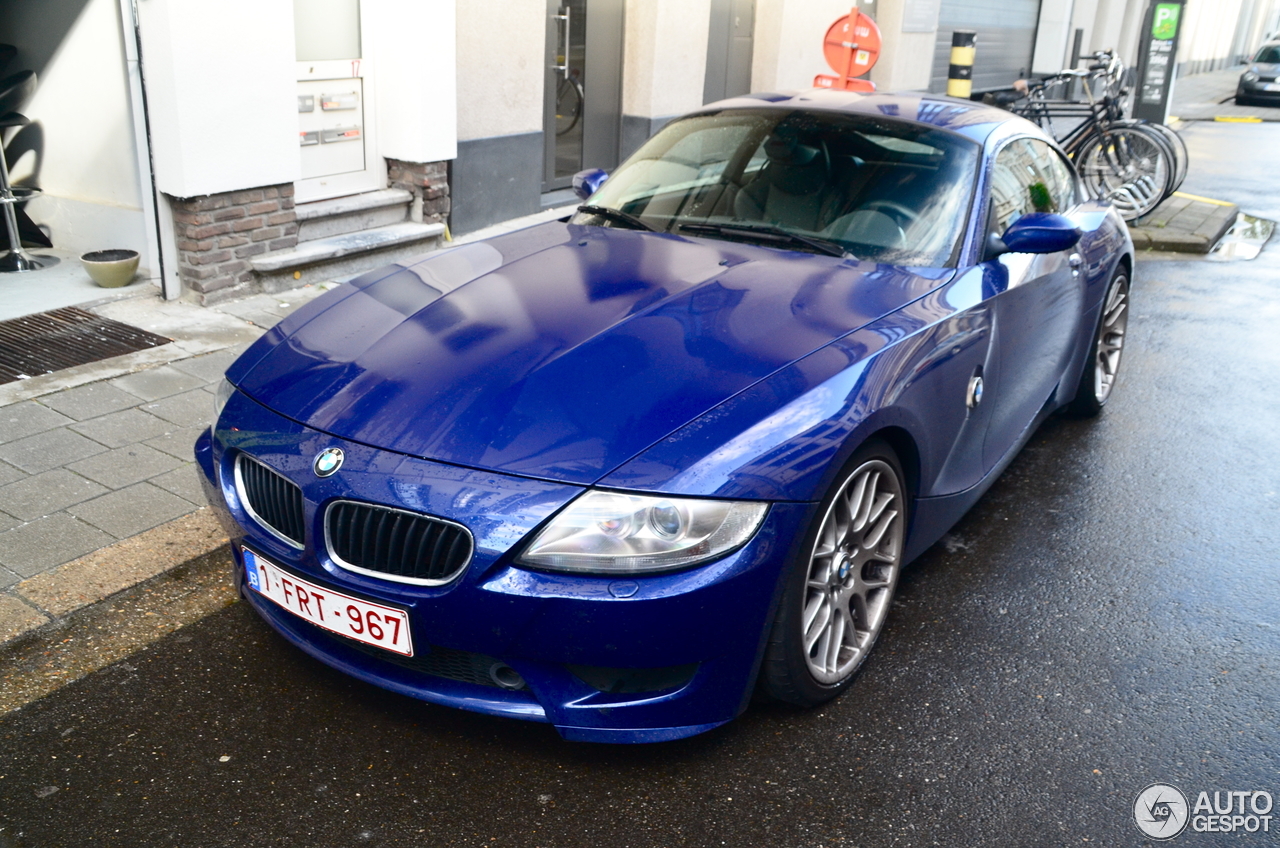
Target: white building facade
pixel 249 145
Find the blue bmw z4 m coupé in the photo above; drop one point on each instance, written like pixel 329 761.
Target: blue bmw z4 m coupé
pixel 620 471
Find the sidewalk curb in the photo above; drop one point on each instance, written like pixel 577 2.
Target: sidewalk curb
pixel 95 636
pixel 47 599
pixel 1183 225
pixel 1231 119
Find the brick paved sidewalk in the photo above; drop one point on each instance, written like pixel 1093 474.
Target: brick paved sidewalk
pixel 102 453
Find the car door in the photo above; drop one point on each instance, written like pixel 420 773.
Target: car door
pixel 1037 297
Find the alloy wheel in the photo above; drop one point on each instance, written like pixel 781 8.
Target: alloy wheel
pixel 1110 344
pixel 852 572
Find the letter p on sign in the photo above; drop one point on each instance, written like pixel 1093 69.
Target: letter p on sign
pixel 1164 23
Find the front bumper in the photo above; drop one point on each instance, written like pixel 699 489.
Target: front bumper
pixel 705 626
pixel 1260 90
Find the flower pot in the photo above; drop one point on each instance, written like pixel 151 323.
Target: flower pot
pixel 111 268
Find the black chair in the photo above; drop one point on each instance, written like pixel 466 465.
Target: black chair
pixel 15 91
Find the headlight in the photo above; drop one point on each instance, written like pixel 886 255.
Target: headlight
pixel 220 398
pixel 1249 76
pixel 610 533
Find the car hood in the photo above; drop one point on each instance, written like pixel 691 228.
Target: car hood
pixel 1264 68
pixel 560 351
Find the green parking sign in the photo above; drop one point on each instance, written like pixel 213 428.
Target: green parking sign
pixel 1164 23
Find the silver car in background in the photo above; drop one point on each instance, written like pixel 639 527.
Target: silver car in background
pixel 1260 82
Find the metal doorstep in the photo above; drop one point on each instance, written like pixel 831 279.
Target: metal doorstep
pixel 64 338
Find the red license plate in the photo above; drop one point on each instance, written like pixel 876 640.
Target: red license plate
pixel 373 624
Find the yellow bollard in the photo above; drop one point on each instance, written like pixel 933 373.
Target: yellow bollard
pixel 960 74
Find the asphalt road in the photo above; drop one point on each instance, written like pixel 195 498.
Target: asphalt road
pixel 1107 617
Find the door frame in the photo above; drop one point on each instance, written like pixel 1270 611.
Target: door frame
pixel 602 89
pixel 374 174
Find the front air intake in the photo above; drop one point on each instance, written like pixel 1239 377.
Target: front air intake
pixel 272 500
pixel 394 544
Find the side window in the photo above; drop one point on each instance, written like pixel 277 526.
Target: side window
pixel 1011 176
pixel 1028 176
pixel 1057 176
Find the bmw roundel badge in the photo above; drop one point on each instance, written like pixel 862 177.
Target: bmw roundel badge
pixel 328 461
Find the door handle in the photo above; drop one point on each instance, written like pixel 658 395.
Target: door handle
pixel 564 16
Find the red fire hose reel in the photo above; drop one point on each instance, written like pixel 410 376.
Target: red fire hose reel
pixel 851 47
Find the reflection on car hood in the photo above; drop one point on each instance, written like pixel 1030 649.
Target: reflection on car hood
pixel 560 351
pixel 1264 68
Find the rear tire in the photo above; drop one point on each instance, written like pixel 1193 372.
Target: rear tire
pixel 841 584
pixel 1098 377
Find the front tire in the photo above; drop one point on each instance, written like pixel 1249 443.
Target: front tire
pixel 838 594
pixel 1098 377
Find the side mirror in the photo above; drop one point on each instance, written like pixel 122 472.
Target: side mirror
pixel 588 182
pixel 993 247
pixel 1041 232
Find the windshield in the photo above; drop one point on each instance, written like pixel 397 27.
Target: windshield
pixel 1269 55
pixel 877 188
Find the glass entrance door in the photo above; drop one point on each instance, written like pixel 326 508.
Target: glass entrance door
pixel 582 96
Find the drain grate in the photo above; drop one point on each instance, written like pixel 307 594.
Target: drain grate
pixel 62 338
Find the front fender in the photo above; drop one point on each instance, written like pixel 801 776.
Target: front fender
pixel 785 437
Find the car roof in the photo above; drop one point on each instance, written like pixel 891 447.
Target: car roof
pixel 969 118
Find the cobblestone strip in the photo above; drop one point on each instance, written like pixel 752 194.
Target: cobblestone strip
pixel 99 488
pixel 52 596
pixel 86 467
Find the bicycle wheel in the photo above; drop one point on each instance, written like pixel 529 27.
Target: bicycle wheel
pixel 1181 159
pixel 1128 167
pixel 568 105
pixel 1170 154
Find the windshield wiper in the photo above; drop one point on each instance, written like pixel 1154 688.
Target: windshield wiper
pixel 766 233
pixel 616 215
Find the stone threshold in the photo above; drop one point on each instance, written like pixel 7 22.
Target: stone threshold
pixel 348 244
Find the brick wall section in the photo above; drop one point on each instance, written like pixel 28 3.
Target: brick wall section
pixel 429 182
pixel 218 233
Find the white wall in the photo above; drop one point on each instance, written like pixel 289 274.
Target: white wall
pixel 87 167
pixel 413 45
pixel 1127 43
pixel 220 93
pixel 501 51
pixel 906 58
pixel 1053 36
pixel 80 226
pixel 665 58
pixel 1085 17
pixel 788 42
pixel 1264 24
pixel 1109 29
pixel 1207 32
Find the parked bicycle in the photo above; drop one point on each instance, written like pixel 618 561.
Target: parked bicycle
pixel 1134 164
